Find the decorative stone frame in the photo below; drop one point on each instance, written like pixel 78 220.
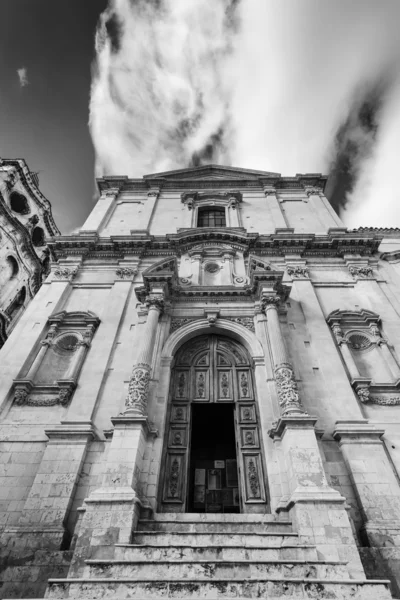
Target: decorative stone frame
pixel 359 331
pixel 63 326
pixel 230 201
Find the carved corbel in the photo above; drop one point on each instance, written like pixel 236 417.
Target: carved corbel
pixel 65 273
pixel 126 272
pixel 297 271
pixel 211 315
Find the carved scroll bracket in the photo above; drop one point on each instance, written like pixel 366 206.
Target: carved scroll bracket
pixel 65 273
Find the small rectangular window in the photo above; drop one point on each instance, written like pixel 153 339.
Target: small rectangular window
pixel 211 217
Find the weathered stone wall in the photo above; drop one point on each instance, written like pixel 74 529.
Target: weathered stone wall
pixel 56 457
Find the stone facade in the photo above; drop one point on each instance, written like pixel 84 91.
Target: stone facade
pixel 25 222
pixel 274 310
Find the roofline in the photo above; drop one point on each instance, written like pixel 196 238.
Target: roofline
pixel 211 166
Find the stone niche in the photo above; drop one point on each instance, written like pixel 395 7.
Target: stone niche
pixel 212 265
pixel 52 375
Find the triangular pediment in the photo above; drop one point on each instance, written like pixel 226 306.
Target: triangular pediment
pixel 211 172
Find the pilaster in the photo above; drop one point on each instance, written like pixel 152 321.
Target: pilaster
pixel 376 486
pixel 317 510
pixel 84 400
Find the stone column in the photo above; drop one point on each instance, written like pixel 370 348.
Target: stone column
pixel 345 352
pixel 136 402
pixel 275 209
pixel 44 345
pixel 288 394
pixel 112 511
pixel 389 359
pixel 317 510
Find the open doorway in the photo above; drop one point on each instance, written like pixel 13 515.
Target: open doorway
pixel 213 474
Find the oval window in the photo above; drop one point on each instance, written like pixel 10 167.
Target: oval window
pixel 38 236
pixel 19 203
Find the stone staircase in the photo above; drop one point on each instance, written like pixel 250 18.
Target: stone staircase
pixel 216 556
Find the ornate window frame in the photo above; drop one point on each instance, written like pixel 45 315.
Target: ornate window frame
pixel 230 201
pixel 360 331
pixel 78 325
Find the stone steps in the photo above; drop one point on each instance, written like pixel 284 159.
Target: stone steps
pixel 186 538
pixel 224 527
pixel 288 550
pixel 172 570
pixel 273 589
pixel 215 556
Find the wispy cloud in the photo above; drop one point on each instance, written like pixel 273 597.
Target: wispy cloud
pixel 23 76
pixel 271 84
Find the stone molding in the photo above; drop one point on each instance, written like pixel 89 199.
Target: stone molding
pixel 65 273
pixel 361 272
pixel 281 243
pixel 297 271
pixel 126 272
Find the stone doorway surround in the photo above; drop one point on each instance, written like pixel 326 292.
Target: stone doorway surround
pixel 212 369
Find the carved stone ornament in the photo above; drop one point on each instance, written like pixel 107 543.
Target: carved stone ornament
pixel 155 302
pixel 247 322
pixel 313 191
pixel 338 333
pixel 270 302
pixel 363 394
pixel 297 271
pixel 177 323
pixel 244 385
pixel 174 477
pixel 361 271
pixel 65 273
pixel 288 394
pixel 253 479
pixel 22 396
pixel 138 390
pixel 385 400
pixel 125 272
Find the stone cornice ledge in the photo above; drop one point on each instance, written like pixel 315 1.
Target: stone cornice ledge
pixel 127 420
pixel 298 422
pixel 312 494
pixel 72 432
pixel 355 432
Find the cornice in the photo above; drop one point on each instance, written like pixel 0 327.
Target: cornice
pixel 199 181
pixel 33 191
pixel 281 243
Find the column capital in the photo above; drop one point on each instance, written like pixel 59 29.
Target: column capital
pixel 268 302
pixel 154 301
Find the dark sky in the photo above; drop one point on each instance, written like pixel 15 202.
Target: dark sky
pixel 46 122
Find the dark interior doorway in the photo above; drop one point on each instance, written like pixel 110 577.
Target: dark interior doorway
pixel 213 475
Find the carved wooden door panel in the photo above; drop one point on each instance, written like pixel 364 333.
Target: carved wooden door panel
pixel 212 369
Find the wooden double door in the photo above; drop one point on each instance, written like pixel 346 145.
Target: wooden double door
pixel 212 459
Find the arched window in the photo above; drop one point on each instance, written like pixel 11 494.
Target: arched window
pixel 12 267
pixel 38 236
pixel 213 216
pixel 19 203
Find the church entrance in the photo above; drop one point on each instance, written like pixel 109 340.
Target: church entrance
pixel 212 460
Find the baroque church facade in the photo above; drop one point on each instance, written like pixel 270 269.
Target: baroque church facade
pixel 203 399
pixel 25 222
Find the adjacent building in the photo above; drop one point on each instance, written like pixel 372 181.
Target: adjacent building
pixel 203 398
pixel 25 222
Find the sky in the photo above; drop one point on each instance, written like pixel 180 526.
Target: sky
pixel 46 54
pixel 129 87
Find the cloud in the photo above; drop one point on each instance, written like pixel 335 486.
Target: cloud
pixel 279 85
pixel 23 76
